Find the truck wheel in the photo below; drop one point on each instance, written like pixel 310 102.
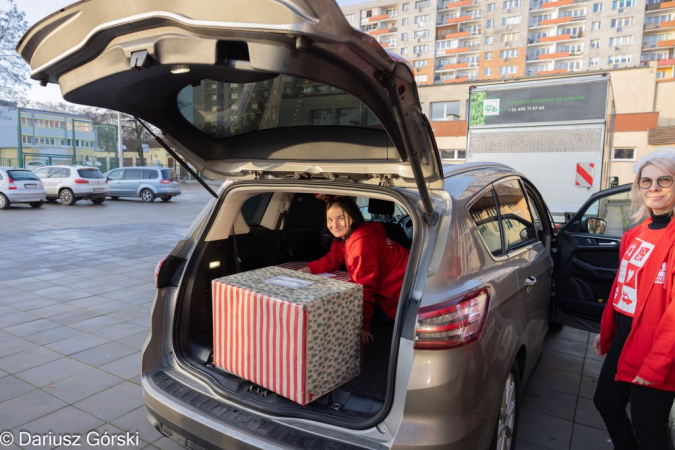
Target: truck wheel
pixel 4 202
pixel 147 195
pixel 67 198
pixel 504 436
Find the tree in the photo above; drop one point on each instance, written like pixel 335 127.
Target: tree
pixel 13 69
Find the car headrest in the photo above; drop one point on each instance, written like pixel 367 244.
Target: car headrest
pixel 384 207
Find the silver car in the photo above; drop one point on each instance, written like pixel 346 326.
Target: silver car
pixel 20 186
pixel 72 183
pixel 284 99
pixel 147 183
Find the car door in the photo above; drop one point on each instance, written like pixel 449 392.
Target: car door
pixel 131 181
pixel 587 258
pixel 48 184
pixel 115 182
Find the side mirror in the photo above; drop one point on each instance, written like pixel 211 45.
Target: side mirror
pixel 593 225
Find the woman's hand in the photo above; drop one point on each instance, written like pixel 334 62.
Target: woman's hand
pixel 596 345
pixel 642 382
pixel 305 270
pixel 366 337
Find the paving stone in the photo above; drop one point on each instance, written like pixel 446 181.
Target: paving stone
pixel 88 301
pixel 68 421
pixel 83 385
pixel 557 380
pixel 32 327
pixel 589 438
pixel 588 386
pixel 101 289
pixel 74 317
pixel 130 313
pixel 544 430
pixel 14 345
pixel 571 334
pixel 567 346
pixel 167 444
pixel 108 307
pixel 17 299
pixel 119 331
pixel 590 354
pixel 561 361
pixel 587 414
pixel 127 367
pixel 52 371
pixel 11 386
pixel 16 319
pixel 27 359
pixel 592 368
pixel 137 340
pixel 142 321
pixel 37 303
pixel 103 354
pixel 70 296
pixel 524 445
pixel 49 291
pixel 95 323
pixel 137 421
pixel 548 401
pixel 52 335
pixel 77 344
pixel 114 402
pixel 27 407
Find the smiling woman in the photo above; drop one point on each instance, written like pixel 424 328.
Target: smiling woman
pixel 638 326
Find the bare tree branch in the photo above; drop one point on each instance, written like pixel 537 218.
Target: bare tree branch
pixel 13 69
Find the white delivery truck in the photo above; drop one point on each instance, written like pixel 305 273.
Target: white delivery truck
pixel 556 131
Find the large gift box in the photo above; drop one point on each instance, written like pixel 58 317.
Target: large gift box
pixel 290 332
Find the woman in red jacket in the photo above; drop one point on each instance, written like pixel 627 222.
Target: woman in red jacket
pixel 638 325
pixel 372 260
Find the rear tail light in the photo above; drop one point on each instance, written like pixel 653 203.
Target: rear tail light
pixel 452 324
pixel 81 181
pixel 106 181
pixel 159 266
pixel 164 181
pixel 12 186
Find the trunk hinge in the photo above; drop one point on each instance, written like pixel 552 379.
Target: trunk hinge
pixel 385 180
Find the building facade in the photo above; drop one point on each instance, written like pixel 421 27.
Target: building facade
pixel 450 41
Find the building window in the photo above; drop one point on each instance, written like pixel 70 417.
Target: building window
pixel 404 36
pixel 487 72
pixel 443 111
pixel 509 37
pixel 508 70
pixel 595 25
pixel 349 17
pixel 620 4
pixel 661 75
pixel 490 7
pixel 26 139
pixel 422 19
pixel 623 154
pixel 455 155
pixel 623 22
pixel 597 7
pixel 404 50
pixel 421 78
pixel 511 4
pixel 595 43
pixel 369 13
pixel 421 34
pixel 421 48
pixel 619 59
pixel 488 56
pixel 620 40
pixel 512 53
pixel 489 39
pixel 490 23
pixel 513 20
pixel 420 63
pixel 422 4
pixel 404 21
pixel 592 62
pixel 405 7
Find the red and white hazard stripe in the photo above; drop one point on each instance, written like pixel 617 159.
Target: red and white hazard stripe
pixel 584 176
pixel 261 339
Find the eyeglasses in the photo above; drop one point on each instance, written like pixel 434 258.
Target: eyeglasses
pixel 664 182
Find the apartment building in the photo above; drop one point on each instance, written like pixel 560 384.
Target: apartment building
pixel 450 41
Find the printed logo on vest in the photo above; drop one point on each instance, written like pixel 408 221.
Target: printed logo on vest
pixel 642 254
pixel 631 249
pixel 661 277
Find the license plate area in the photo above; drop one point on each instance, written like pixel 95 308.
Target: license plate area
pixel 99 189
pixel 30 186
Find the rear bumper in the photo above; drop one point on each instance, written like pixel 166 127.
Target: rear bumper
pixel 162 192
pixel 192 419
pixel 26 196
pixel 90 195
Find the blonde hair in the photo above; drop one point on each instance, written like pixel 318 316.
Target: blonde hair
pixel 664 159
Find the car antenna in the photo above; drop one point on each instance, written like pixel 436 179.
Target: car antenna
pixel 179 159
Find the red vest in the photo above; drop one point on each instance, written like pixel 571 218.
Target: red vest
pixel 649 350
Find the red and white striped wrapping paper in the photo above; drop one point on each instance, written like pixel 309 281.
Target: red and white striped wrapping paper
pixel 262 338
pixel 338 274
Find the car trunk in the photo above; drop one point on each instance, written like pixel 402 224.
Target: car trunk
pixel 265 238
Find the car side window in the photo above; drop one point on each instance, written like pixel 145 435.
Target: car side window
pixel 515 214
pixel 133 174
pixel 149 174
pixel 483 213
pixel 115 175
pixel 609 215
pixel 57 172
pixel 1 177
pixel 65 173
pixel 42 173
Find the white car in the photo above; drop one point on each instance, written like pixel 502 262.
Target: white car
pixel 20 186
pixel 72 183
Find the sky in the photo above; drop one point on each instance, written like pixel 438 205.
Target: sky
pixel 38 9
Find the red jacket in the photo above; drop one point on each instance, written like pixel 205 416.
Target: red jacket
pixel 372 260
pixel 649 350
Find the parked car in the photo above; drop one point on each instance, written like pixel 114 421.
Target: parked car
pixel 297 102
pixel 20 186
pixel 144 182
pixel 72 183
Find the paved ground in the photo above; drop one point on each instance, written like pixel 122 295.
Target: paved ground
pixel 76 288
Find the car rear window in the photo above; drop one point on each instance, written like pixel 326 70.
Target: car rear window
pixel 222 110
pixel 20 175
pixel 90 173
pixel 167 174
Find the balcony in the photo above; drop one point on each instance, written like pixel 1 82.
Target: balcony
pixel 556 21
pixel 461 34
pixel 378 18
pixel 666 62
pixel 659 6
pixel 562 37
pixel 667 24
pixel 557 4
pixel 382 31
pixel 458 19
pixel 668 43
pixel 552 72
pixel 461 65
pixel 456 80
pixel 454 51
pixel 450 5
pixel 553 55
